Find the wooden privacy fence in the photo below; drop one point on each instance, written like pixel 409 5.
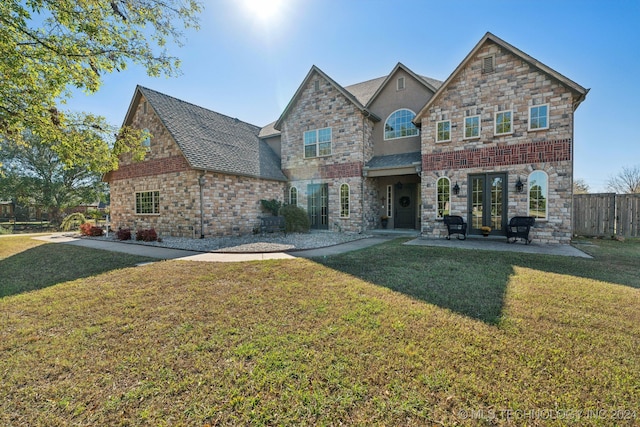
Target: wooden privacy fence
pixel 606 214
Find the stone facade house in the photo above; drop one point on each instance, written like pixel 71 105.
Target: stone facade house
pixel 493 141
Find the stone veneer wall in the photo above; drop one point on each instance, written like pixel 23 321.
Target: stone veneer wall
pixel 324 108
pixel 231 203
pixel 514 85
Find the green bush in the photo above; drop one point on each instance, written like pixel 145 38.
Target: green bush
pixel 272 206
pixel 295 218
pixel 73 221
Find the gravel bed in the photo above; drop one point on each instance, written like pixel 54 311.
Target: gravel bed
pixel 276 242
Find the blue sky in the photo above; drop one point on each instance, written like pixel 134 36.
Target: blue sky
pixel 248 58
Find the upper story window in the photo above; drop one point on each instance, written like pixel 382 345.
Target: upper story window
pixel 443 131
pixel 538 183
pixel 539 117
pixel 398 125
pixel 504 122
pixel 317 143
pixel 146 143
pixel 400 83
pixel 472 127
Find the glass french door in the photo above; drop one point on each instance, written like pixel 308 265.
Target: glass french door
pixel 487 201
pixel 318 206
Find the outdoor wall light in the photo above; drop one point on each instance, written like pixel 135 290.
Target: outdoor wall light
pixel 519 185
pixel 456 189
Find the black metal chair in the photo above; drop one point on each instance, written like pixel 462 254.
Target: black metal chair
pixel 455 225
pixel 519 228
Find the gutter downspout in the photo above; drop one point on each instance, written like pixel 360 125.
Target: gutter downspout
pixel 201 182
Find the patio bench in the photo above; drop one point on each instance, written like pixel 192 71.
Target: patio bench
pixel 519 228
pixel 455 225
pixel 272 224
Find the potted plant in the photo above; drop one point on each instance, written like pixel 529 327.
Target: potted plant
pixel 485 230
pixel 384 220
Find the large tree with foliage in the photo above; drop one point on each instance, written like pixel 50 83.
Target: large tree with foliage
pixel 33 173
pixel 51 46
pixel 625 181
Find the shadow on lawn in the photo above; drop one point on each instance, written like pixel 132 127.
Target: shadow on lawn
pixel 50 264
pixel 472 282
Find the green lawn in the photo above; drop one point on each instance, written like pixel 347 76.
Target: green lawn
pixel 391 335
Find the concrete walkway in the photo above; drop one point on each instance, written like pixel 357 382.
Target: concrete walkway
pixel 475 243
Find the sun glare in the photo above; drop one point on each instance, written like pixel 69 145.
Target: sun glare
pixel 264 11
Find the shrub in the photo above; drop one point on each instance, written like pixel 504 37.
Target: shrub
pixel 123 234
pixel 73 221
pixel 272 206
pixel 146 235
pixel 295 218
pixel 88 229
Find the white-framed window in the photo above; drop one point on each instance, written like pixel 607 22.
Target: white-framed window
pixel 400 83
pixel 317 143
pixel 538 185
pixel 471 127
pixel 443 131
pixel 443 189
pixel 147 202
pixel 344 200
pixel 503 122
pixel 293 196
pixel 539 117
pixel 399 125
pixel 389 207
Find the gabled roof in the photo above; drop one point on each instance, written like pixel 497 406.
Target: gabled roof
pixel 343 91
pixel 581 91
pixel 429 83
pixel 211 141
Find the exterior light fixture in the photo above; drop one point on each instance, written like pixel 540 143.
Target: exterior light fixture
pixel 519 185
pixel 456 189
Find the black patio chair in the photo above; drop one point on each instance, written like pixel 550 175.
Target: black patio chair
pixel 455 225
pixel 519 228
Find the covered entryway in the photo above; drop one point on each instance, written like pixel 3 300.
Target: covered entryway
pixel 487 202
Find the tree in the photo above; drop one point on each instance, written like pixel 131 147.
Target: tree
pixel 580 186
pixel 48 47
pixel 625 181
pixel 33 173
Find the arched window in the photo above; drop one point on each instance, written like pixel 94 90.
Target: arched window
pixel 538 184
pixel 398 125
pixel 344 201
pixel 293 196
pixel 443 186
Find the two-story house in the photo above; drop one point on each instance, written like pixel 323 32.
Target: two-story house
pixel 493 141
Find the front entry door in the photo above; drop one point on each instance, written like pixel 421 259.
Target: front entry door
pixel 318 206
pixel 488 202
pixel 405 206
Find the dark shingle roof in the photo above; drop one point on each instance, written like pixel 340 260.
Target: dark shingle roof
pixel 394 160
pixel 215 142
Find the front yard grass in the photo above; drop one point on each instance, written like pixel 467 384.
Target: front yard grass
pixel 391 335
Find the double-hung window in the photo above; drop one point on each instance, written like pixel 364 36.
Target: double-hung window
pixel 471 127
pixel 317 143
pixel 504 122
pixel 147 202
pixel 539 117
pixel 443 131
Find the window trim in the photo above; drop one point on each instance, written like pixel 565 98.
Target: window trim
pixel 438 216
pixel 154 201
pixel 529 128
pixel 495 122
pixel 384 130
pixel 389 207
pixel 293 189
pixel 464 127
pixel 546 196
pixel 342 201
pixel 438 131
pixel 316 143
